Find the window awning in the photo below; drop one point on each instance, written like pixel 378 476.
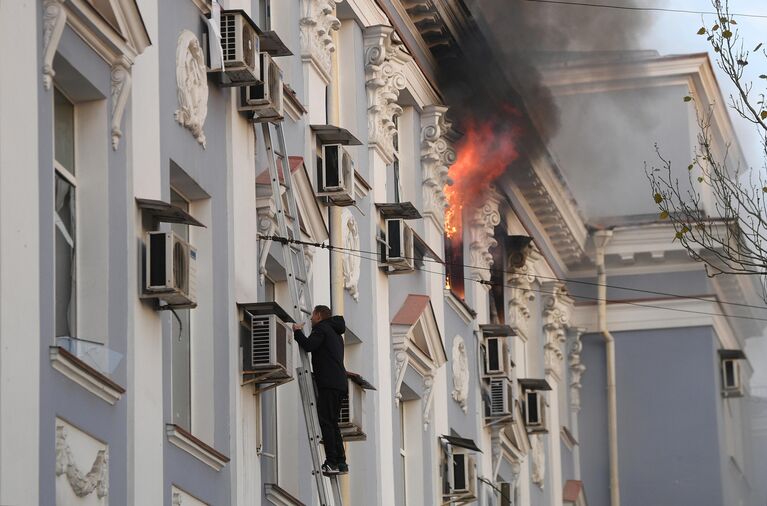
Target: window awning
pixel 732 354
pixel 462 442
pixel 331 134
pixel 534 384
pixel 359 380
pixel 266 308
pixel 166 213
pixel 402 210
pixel 493 330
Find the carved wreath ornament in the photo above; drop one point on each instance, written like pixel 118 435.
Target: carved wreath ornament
pixel 460 373
pixel 351 262
pixel 192 83
pixel 83 484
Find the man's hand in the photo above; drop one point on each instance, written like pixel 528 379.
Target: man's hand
pixel 298 326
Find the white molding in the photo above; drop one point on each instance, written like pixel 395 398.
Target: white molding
pixel 120 77
pixel 88 381
pixel 459 308
pixel 622 317
pixel 203 5
pixel 368 12
pixel 275 495
pixel 197 451
pixel 54 21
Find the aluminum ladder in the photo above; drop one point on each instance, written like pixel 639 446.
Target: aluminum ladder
pixel 295 268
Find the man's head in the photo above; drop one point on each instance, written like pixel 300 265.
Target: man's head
pixel 320 313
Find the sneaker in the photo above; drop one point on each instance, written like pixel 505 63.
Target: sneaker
pixel 343 468
pixel 329 469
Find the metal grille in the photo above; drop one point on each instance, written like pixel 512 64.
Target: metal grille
pixel 229 37
pixel 345 410
pixel 259 335
pixel 497 398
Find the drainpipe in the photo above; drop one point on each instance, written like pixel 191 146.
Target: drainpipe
pixel 601 238
pixel 335 212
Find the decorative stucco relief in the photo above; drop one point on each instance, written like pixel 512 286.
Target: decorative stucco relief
pixel 267 226
pixel 460 373
pixel 576 369
pixel 81 483
pixel 482 234
pixel 54 21
pixel 428 394
pixel 318 22
pixel 437 155
pixel 538 454
pixel 351 261
pixel 192 85
pixel 121 85
pixel 520 280
pixel 557 305
pixel 385 57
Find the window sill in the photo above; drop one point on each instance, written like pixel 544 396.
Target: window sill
pixel 460 306
pixel 279 497
pixel 196 448
pixel 85 376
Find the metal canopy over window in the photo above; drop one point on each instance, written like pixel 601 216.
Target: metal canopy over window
pixel 534 384
pixel 266 308
pixel 167 213
pixel 331 134
pixel 401 210
pixel 493 330
pixel 461 442
pixel 732 354
pixel 359 380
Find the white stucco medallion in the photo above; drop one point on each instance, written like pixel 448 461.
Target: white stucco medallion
pixel 192 83
pixel 351 261
pixel 460 373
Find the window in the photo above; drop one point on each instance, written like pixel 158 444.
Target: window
pixel 402 452
pixel 181 346
pixel 398 193
pixel 264 15
pixel 65 217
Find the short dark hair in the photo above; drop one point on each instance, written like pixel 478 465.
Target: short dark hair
pixel 323 311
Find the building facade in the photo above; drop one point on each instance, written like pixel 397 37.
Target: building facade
pixel 478 357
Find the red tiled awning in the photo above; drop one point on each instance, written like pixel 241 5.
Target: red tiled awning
pixel 411 310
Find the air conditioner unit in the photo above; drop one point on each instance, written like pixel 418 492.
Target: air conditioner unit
pixel 535 414
pixel 241 46
pixel 350 420
pixel 171 269
pixel 497 357
pixel 463 474
pixel 264 98
pixel 501 398
pixel 267 347
pixel 397 252
pixel 335 173
pixel 731 384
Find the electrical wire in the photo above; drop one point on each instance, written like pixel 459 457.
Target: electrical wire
pixel 609 301
pixel 643 9
pixel 539 276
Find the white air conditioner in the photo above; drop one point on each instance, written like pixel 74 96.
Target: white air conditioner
pixel 463 474
pixel 264 98
pixel 535 411
pixel 497 357
pixel 171 269
pixel 397 252
pixel 350 421
pixel 240 46
pixel 335 173
pixel 267 347
pixel 731 384
pixel 501 398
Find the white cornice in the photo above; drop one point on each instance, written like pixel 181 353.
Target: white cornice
pixel 194 448
pixel 419 86
pixel 665 314
pixel 367 12
pixel 91 382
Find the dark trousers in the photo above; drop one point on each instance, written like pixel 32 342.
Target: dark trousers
pixel 328 411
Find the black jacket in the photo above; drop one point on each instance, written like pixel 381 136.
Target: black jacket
pixel 327 348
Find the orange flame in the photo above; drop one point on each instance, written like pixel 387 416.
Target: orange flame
pixel 483 155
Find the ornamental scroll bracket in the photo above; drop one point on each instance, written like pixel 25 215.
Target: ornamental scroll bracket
pixel 385 57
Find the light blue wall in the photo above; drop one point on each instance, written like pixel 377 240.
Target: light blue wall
pixel 668 436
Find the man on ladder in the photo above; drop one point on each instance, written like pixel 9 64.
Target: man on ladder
pixel 327 348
